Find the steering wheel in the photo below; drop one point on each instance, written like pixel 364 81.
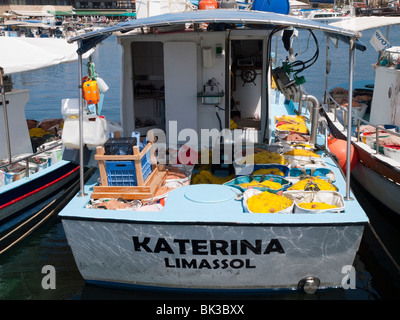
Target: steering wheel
pixel 248 75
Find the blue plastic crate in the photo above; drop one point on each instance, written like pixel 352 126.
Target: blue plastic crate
pixel 123 173
pixel 146 165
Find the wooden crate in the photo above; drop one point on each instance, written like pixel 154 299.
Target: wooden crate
pixel 144 190
pixel 136 157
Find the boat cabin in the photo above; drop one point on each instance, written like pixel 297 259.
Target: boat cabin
pixel 199 82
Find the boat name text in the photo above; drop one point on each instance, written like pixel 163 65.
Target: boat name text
pixel 204 248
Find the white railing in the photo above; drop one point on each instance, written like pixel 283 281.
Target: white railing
pixel 360 120
pixel 26 157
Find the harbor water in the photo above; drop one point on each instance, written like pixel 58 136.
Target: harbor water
pixel 24 267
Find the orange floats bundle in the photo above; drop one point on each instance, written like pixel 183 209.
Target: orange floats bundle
pixel 91 92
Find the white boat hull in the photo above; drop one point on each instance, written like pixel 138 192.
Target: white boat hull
pixel 176 256
pixel 203 238
pixel 379 187
pixel 376 173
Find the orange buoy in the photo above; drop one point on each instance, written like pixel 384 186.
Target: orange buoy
pixel 208 4
pixel 339 148
pixel 91 91
pixel 331 139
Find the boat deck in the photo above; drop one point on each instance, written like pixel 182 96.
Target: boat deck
pixel 213 204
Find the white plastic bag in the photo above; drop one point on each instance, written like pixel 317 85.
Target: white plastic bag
pixel 95 131
pixel 102 85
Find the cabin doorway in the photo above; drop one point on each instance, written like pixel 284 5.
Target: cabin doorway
pixel 148 85
pixel 247 83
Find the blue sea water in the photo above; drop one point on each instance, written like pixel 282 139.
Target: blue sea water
pixel 21 272
pixel 50 85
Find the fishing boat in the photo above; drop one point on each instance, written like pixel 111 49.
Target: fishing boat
pixel 329 15
pixel 196 73
pixel 375 103
pixel 30 29
pixel 33 174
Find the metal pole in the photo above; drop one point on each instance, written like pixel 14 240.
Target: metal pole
pixel 326 68
pixel 4 103
pixel 314 117
pixel 349 113
pixel 81 165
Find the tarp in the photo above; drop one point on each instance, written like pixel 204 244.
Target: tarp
pixel 18 54
pixel 277 6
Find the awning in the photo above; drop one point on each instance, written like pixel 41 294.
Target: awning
pixel 113 13
pixel 215 16
pixel 108 13
pixel 6 15
pixel 27 24
pixel 128 14
pixel 62 13
pixel 32 13
pixel 26 54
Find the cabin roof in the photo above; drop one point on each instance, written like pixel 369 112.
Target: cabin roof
pixel 229 16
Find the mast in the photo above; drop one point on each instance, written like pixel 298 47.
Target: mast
pixel 4 104
pixel 349 113
pixel 81 166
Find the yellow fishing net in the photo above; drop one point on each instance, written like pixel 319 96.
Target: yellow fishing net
pixel 293 119
pixel 313 183
pixel 274 171
pixel 38 132
pixel 302 153
pixel 205 177
pixel 316 205
pixel 267 202
pixel 296 127
pixel 263 157
pixel 266 183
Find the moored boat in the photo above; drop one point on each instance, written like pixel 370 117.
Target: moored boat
pixel 375 103
pixel 194 74
pixel 329 15
pixel 34 179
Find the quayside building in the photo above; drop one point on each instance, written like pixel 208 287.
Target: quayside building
pixel 39 8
